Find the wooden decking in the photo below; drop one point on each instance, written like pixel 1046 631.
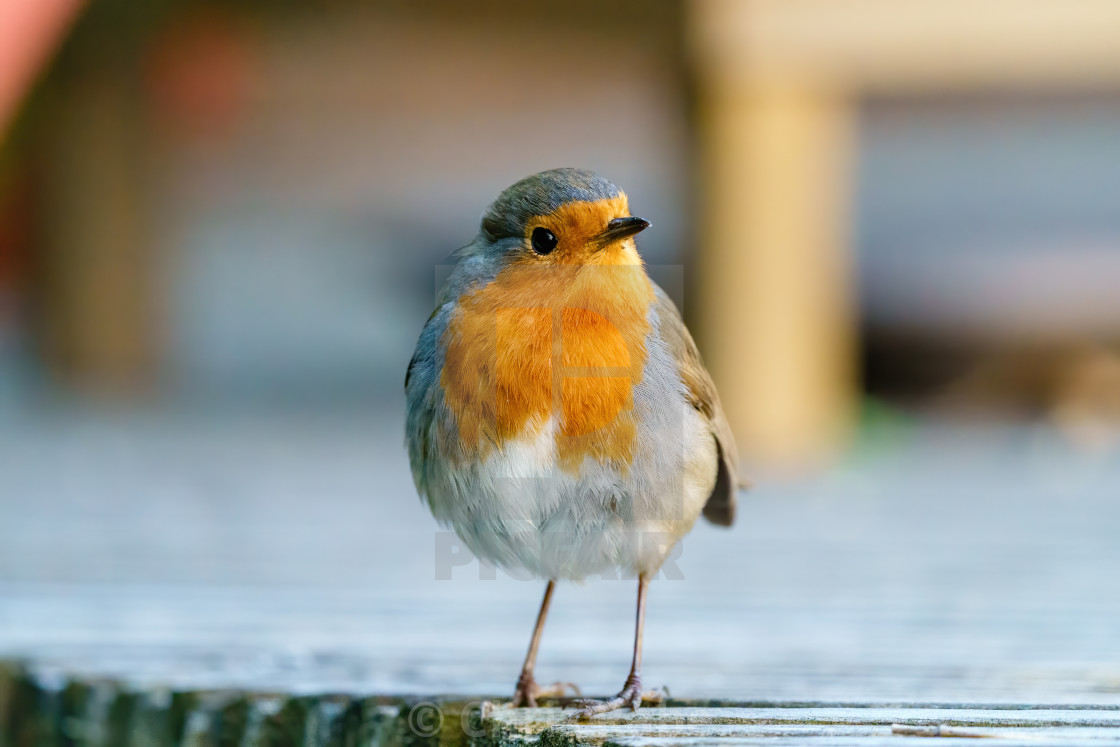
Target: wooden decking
pixel 819 725
pixel 277 563
pixel 38 710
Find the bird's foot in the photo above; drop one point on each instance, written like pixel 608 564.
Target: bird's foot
pixel 631 695
pixel 528 691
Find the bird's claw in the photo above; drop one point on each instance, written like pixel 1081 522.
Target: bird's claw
pixel 528 691
pixel 631 695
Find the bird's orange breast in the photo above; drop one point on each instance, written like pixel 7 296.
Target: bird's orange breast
pixel 565 343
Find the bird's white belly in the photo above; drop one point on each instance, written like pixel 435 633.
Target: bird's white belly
pixel 519 509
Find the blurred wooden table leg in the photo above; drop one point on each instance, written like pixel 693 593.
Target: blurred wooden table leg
pixel 778 322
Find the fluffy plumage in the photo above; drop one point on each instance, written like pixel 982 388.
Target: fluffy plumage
pixel 559 416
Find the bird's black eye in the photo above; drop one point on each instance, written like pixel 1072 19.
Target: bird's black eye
pixel 543 241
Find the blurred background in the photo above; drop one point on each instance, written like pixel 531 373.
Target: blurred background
pixel 237 204
pixel 893 226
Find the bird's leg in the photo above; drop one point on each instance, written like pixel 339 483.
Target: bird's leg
pixel 528 690
pixel 631 693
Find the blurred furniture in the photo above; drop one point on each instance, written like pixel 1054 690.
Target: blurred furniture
pixel 779 82
pixel 255 200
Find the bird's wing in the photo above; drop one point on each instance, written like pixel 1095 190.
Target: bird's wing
pixel 720 508
pixel 446 293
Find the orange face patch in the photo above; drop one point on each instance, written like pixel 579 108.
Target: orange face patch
pixel 561 340
pixel 576 224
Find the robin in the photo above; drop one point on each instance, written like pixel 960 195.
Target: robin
pixel 559 416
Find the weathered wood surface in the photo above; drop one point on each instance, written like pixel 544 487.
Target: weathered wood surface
pixel 41 711
pixel 291 556
pixel 730 726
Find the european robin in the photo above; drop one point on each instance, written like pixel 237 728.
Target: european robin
pixel 559 416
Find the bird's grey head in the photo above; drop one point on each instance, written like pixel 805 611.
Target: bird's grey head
pixel 542 194
pixel 557 217
pixel 571 211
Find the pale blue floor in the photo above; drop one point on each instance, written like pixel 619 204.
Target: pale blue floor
pixel 946 565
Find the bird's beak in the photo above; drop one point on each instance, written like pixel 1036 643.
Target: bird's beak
pixel 621 228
